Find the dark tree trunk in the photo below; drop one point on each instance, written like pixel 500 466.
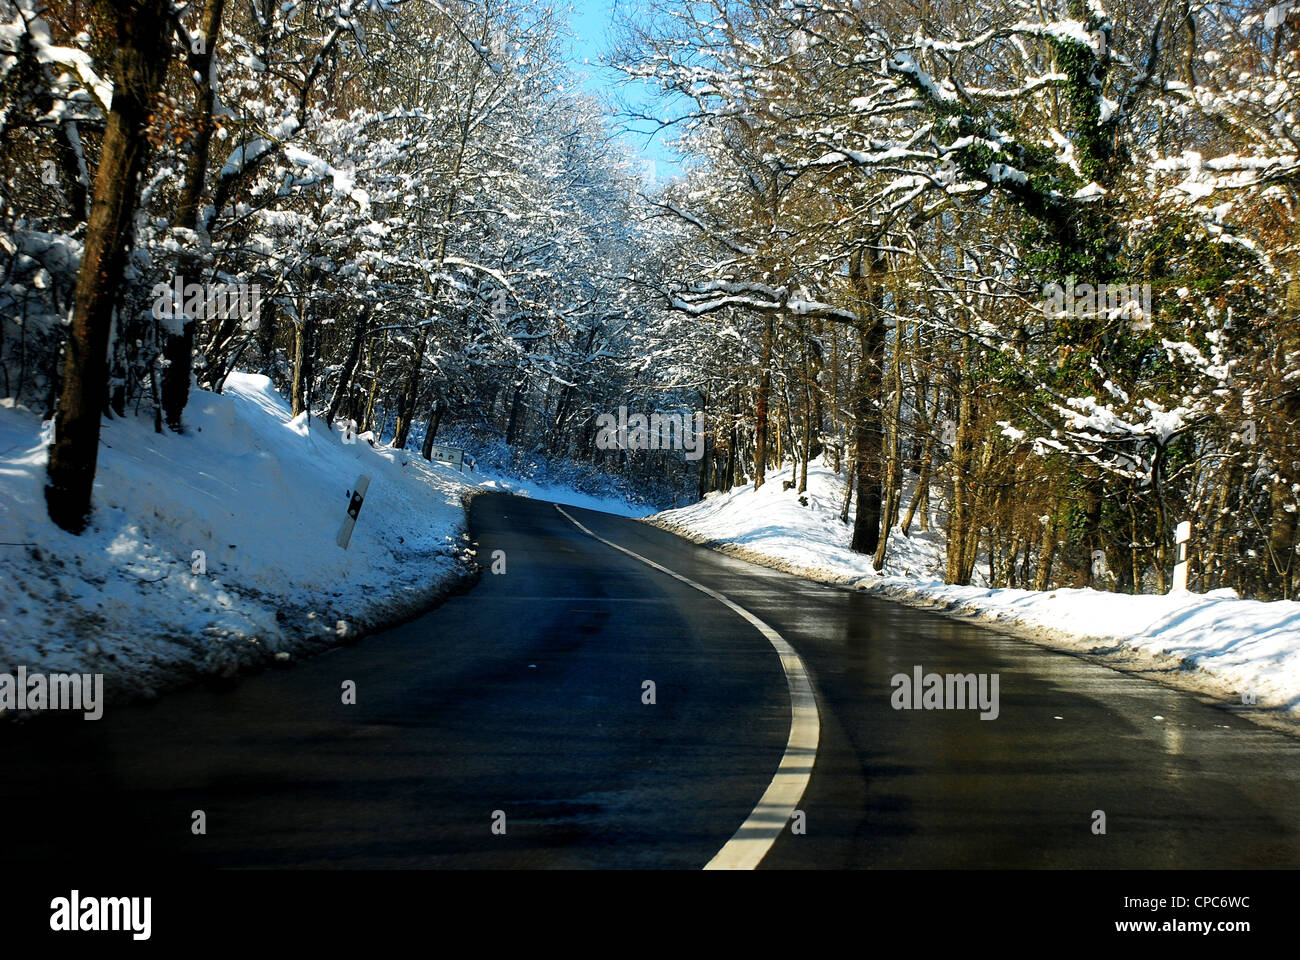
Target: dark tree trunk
pixel 140 30
pixel 513 423
pixel 867 439
pixel 431 431
pixel 868 431
pixel 893 460
pixel 410 392
pixel 178 349
pixel 760 405
pixel 922 483
pixel 349 367
pixel 303 354
pixel 807 420
pixel 561 412
pixel 1046 553
pixel 815 391
pixel 848 489
pixel 705 448
pixel 729 472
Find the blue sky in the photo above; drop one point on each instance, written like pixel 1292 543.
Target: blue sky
pixel 591 25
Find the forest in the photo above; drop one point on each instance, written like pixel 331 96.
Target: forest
pixel 1027 271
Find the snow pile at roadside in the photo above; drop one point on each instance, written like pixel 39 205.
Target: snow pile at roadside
pixel 1248 646
pixel 262 496
pixel 1236 646
pixel 770 523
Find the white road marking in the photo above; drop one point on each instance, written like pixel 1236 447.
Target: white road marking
pixel 748 845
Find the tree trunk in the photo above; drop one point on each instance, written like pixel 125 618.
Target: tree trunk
pixel 1046 552
pixel 729 473
pixel 430 431
pixel 960 513
pixel 706 448
pixel 1282 538
pixel 561 412
pixel 807 446
pixel 513 424
pixel 848 489
pixel 1217 550
pixel 178 349
pixel 349 366
pixel 1135 556
pixel 141 35
pixel 1093 540
pixel 970 548
pixel 922 480
pixel 815 391
pixel 760 405
pixel 866 445
pixel 410 392
pixel 867 411
pixel 893 468
pixel 808 390
pixel 302 363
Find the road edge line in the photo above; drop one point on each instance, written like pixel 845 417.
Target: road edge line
pixel 754 838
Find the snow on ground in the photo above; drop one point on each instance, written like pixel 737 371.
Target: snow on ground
pixel 771 522
pixel 499 466
pixel 566 496
pixel 263 496
pixel 1224 646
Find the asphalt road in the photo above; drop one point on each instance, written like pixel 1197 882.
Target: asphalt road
pixel 520 705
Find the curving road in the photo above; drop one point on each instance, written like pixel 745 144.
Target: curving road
pixel 521 704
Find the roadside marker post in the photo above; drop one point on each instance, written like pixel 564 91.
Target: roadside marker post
pixel 354 507
pixel 1182 535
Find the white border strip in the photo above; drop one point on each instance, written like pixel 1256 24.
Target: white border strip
pixel 749 845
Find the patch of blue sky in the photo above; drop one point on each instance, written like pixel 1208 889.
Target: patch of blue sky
pixel 592 28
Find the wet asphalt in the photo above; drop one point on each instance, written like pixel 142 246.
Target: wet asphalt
pixel 508 729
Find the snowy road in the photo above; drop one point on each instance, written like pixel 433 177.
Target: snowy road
pixel 521 705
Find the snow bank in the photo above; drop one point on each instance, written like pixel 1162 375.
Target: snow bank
pixel 262 496
pixel 1224 646
pixel 773 526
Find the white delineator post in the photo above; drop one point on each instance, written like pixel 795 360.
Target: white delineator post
pixel 354 507
pixel 1182 535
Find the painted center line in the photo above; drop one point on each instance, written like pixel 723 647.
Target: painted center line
pixel 749 844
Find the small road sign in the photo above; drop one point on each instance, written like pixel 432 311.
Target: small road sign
pixel 452 455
